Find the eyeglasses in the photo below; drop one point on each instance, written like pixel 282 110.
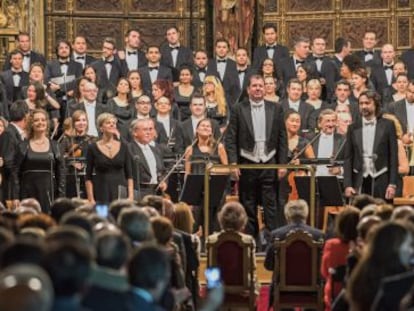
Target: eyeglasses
pixel 143 103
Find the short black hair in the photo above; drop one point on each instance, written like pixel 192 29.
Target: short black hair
pixel 148 266
pixel 340 43
pixel 18 110
pixel 268 26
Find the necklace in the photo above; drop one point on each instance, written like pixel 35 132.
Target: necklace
pixel 109 147
pixel 39 143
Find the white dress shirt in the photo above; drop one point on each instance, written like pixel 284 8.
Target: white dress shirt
pixel 325 150
pixel 152 162
pixel 90 113
pixel 368 136
pixel 165 121
pixel 131 58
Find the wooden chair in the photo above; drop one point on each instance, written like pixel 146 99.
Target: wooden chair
pixel 297 272
pixel 407 192
pixel 235 258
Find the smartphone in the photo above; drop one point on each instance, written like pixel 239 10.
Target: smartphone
pixel 101 210
pixel 213 277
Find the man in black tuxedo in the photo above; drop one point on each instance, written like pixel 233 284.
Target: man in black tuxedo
pixel 109 68
pixel 185 133
pixel 342 98
pixel 15 78
pixel 325 68
pixel 329 144
pixel 270 49
pixel 132 57
pixel 225 69
pixel 153 70
pixel 371 152
pixel 244 70
pixel 63 68
pixel 288 66
pixel 12 137
pixel 174 54
pixel 92 108
pixel 342 49
pixel 382 74
pixel 293 102
pixel 256 134
pixel 29 56
pixel 369 55
pixel 148 163
pixel 408 58
pixel 402 109
pixel 200 68
pixel 79 54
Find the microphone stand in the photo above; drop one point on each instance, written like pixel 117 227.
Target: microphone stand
pixel 52 186
pixel 136 159
pixel 374 172
pixel 174 167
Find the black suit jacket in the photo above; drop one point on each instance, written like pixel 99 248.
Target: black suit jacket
pixel 385 147
pixel 198 84
pixel 328 73
pixel 34 58
pixel 281 234
pixel 408 58
pixel 240 132
pixel 140 164
pixel 184 57
pixel 6 78
pixel 306 112
pixel 88 59
pixel 164 73
pixel 116 73
pixel 399 109
pixel 260 54
pixel 373 62
pixel 53 70
pixel 287 69
pixel 230 79
pixel 185 134
pixel 242 91
pixel 142 61
pixel 380 82
pixel 338 146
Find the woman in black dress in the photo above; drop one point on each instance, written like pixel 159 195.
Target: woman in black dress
pixel 39 170
pixel 183 92
pixel 206 152
pixel 74 147
pixel 121 107
pixel 111 162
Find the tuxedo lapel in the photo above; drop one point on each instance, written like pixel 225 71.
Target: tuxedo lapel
pixel 379 132
pixel 247 114
pixel 269 119
pixel 142 158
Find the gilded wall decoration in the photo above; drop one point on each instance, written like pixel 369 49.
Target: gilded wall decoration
pixel 112 6
pixel 355 28
pixel 311 29
pixel 365 4
pixel 95 30
pixel 403 33
pixel 309 6
pixel 153 6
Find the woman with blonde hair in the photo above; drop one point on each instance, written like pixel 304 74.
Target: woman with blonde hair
pixel 403 165
pixel 216 103
pixel 39 170
pixel 111 162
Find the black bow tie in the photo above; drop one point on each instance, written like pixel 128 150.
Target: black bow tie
pixel 368 52
pixel 386 67
pixel 153 68
pixel 64 63
pixel 270 47
pixel 241 71
pixel 172 48
pixel 318 58
pixel 26 55
pixel 299 62
pixel 16 73
pixel 221 60
pixel 132 53
pixel 108 62
pixel 202 70
pixel 80 57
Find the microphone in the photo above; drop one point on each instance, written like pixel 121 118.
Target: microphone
pixel 51 157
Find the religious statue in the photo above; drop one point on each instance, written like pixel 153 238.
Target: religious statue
pixel 234 22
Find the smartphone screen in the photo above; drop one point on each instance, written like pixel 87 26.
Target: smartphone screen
pixel 101 210
pixel 213 277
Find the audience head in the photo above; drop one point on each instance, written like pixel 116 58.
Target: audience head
pixel 112 249
pixel 232 216
pixel 23 251
pixel 296 211
pixel 136 224
pixel 149 269
pixel 25 287
pixel 183 217
pixel 346 224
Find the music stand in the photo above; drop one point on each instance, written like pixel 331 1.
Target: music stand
pixel 193 189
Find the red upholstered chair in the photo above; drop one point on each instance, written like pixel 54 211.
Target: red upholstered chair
pixel 234 256
pixel 297 272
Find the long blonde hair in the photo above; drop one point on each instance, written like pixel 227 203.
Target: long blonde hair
pixel 219 96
